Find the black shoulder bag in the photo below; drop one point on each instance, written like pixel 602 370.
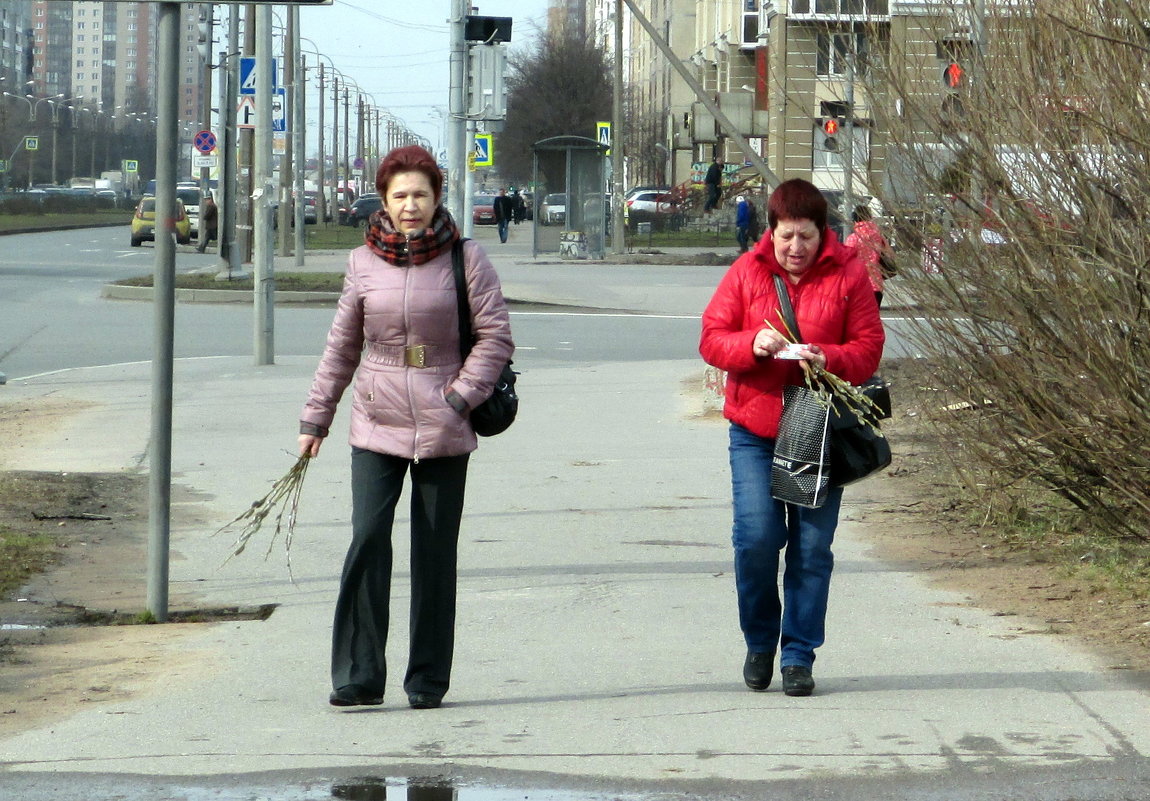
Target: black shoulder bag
pixel 496 414
pixel 856 446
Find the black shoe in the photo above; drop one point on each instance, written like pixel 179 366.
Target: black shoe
pixel 758 670
pixel 355 695
pixel 797 680
pixel 423 700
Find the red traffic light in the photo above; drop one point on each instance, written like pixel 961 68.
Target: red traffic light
pixel 953 75
pixel 831 127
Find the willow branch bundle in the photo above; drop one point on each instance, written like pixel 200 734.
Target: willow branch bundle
pixel 827 387
pixel 282 500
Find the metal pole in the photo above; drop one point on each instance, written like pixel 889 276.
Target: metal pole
pixel 297 136
pixel 468 221
pixel 617 234
pixel 263 256
pixel 849 141
pixel 457 149
pixel 163 306
pixel 346 166
pixel 246 182
pixel 335 148
pixel 287 161
pixel 321 197
pixel 230 250
pixel 206 111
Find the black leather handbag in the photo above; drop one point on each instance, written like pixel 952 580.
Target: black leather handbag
pixel 496 414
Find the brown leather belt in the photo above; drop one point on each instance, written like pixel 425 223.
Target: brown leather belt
pixel 410 355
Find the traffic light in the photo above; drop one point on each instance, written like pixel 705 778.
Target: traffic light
pixel 204 35
pixel 953 76
pixel 827 133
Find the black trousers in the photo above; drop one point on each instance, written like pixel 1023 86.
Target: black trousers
pixel 359 637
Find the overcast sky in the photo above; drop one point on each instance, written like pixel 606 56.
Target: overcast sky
pixel 398 50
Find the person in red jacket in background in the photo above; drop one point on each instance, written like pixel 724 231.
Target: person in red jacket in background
pixel 842 332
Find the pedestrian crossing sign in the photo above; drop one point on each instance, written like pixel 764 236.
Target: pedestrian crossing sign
pixel 603 134
pixel 484 153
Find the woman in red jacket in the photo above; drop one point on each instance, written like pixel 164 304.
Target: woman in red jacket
pixel 396 331
pixel 838 319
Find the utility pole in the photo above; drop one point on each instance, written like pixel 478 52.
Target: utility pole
pixel 296 135
pixel 206 101
pixel 231 261
pixel 247 145
pixel 321 196
pixel 335 171
pixel 287 162
pixel 617 235
pixel 849 139
pixel 263 257
pixel 164 313
pixel 457 106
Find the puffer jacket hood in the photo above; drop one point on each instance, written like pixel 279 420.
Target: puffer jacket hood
pixel 835 308
pixel 398 409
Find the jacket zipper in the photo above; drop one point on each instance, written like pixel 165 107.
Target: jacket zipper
pixel 406 369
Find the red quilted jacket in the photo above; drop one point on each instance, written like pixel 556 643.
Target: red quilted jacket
pixel 835 309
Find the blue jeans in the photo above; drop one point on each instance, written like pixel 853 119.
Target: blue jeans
pixel 503 224
pixel 763 528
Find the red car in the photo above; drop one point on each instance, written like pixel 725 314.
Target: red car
pixel 483 210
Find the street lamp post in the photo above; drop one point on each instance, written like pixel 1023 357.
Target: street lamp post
pixel 33 104
pixel 55 106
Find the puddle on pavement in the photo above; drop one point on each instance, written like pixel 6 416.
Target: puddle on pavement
pixel 392 789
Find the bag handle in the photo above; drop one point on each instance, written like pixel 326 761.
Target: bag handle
pixel 461 297
pixel 785 307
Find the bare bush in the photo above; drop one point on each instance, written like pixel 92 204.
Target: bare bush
pixel 1032 183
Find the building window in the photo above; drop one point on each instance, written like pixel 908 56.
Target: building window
pixel 833 49
pixel 839 8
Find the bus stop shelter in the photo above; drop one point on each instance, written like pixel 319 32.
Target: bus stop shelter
pixel 570 171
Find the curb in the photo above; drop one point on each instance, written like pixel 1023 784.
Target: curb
pixel 120 292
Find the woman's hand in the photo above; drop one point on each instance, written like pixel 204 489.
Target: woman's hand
pixel 767 343
pixel 815 356
pixel 309 444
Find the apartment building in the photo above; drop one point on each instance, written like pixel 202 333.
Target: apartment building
pixel 104 54
pixel 779 70
pixel 15 29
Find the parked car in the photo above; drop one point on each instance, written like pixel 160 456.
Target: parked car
pixel 189 195
pixel 144 222
pixel 651 206
pixel 483 210
pixel 553 209
pixel 361 209
pixel 636 190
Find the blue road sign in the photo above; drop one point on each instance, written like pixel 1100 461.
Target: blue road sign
pixel 483 155
pixel 248 75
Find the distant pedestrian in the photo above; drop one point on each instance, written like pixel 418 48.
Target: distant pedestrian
pixel 746 223
pixel 209 222
pixel 871 245
pixel 518 206
pixel 396 335
pixel 714 183
pixel 504 210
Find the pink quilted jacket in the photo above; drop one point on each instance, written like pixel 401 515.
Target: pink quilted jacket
pixel 398 409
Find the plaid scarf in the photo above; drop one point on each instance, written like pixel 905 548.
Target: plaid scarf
pixel 400 249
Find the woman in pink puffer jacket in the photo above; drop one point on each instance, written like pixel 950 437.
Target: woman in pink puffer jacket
pixel 396 331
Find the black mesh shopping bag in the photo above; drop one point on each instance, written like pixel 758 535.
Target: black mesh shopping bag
pixel 800 473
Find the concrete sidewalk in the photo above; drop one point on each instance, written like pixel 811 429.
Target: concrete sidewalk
pixel 598 646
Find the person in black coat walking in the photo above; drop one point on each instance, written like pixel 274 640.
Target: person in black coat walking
pixel 714 183
pixel 504 210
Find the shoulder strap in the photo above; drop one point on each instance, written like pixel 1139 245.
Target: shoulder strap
pixel 461 297
pixel 785 307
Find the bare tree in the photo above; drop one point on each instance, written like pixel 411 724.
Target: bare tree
pixel 561 87
pixel 1027 192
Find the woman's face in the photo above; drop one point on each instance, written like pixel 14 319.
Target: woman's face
pixel 796 244
pixel 410 201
